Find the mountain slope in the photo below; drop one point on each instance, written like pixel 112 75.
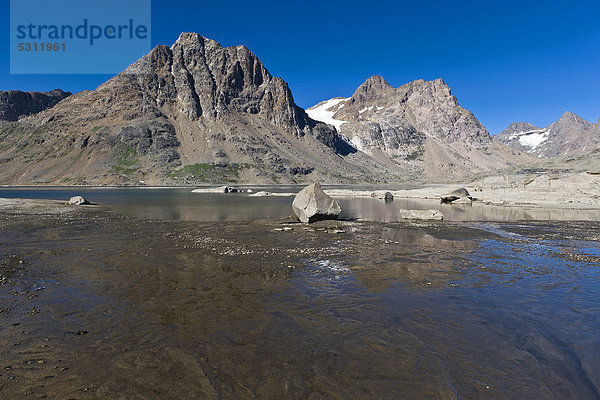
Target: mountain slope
pixel 419 126
pixel 194 112
pixel 15 104
pixel 569 136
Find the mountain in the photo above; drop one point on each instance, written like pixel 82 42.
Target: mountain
pixel 419 126
pixel 192 112
pixel 15 104
pixel 569 136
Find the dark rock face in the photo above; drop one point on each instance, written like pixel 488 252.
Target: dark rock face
pixel 15 104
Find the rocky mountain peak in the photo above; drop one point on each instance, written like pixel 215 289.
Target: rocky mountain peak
pixel 208 82
pixel 570 122
pixel 518 127
pixel 195 39
pixel 419 125
pixel 196 104
pixel 569 114
pixel 375 87
pixel 570 135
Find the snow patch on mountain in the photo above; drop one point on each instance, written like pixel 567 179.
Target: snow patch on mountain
pixel 325 110
pixel 531 139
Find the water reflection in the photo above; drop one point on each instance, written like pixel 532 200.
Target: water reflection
pixel 386 310
pixel 181 204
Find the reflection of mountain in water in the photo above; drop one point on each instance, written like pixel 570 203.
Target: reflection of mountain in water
pixel 410 255
pixel 376 210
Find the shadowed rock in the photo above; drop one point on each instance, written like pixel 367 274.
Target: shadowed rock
pixel 15 104
pixel 462 195
pixel 313 204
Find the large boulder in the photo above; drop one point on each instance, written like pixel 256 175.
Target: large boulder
pixel 313 204
pixel 461 194
pixel 79 201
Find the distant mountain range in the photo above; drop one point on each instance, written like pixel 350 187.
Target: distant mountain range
pixel 570 135
pixel 192 112
pixel 419 126
pixel 197 112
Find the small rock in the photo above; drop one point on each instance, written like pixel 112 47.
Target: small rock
pixel 434 215
pixel 387 196
pixel 261 194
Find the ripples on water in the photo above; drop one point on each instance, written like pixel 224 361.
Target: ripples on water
pixel 162 309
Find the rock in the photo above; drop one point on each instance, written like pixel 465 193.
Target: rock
pixel 15 104
pixel 261 194
pixel 313 204
pixel 411 124
pixel 265 194
pixel 463 201
pixel 221 102
pixel 387 196
pixel 220 189
pixel 79 201
pixel 455 195
pixel 434 215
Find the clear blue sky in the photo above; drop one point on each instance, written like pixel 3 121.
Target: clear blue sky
pixel 505 60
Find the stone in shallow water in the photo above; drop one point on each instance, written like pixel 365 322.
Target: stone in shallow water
pixel 313 204
pixel 434 215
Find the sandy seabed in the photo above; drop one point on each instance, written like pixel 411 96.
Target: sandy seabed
pixel 97 305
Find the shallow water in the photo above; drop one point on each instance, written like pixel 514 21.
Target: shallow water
pixel 110 307
pixel 182 204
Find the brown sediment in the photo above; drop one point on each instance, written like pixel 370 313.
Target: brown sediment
pixel 96 305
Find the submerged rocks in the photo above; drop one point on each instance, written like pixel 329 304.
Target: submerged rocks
pixel 313 204
pixel 458 196
pixel 427 215
pixel 79 201
pixel 220 189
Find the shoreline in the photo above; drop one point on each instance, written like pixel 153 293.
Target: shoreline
pixel 570 191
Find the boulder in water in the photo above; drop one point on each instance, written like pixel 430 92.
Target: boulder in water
pixel 313 204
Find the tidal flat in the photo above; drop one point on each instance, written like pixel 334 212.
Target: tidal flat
pixel 96 304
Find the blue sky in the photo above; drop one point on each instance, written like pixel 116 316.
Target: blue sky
pixel 505 61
